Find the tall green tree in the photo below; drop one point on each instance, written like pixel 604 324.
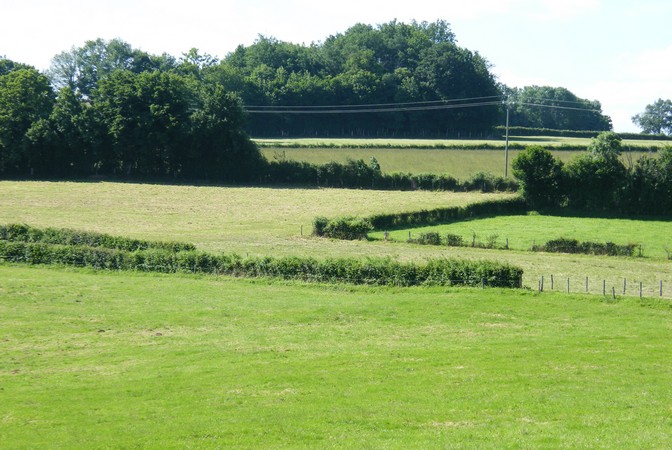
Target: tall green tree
pixel 656 118
pixel 541 177
pixel 26 97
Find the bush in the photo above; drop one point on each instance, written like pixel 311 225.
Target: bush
pixel 347 228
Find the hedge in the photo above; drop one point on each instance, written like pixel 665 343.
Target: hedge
pixel 446 215
pixel 564 245
pixel 64 236
pixel 368 271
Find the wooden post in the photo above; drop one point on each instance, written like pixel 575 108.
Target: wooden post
pixel 640 289
pixel 542 284
pixel 586 285
pixel 551 282
pixel 661 288
pixel 624 285
pixel 604 287
pixel 301 230
pixel 568 285
pixel 613 292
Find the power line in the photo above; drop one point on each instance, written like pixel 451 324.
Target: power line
pixel 560 107
pixel 373 110
pixel 429 102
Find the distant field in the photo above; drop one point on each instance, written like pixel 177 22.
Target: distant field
pixel 459 163
pixel 124 360
pixel 524 231
pixel 401 143
pixel 265 221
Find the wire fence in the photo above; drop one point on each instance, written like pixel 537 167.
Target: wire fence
pixel 612 287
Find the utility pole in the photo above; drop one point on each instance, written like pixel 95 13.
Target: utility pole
pixel 506 148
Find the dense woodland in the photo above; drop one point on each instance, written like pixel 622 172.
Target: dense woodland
pixel 108 109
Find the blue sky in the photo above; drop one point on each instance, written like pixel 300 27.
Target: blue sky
pixel 616 51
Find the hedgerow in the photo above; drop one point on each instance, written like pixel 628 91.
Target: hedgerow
pixel 64 236
pixel 370 271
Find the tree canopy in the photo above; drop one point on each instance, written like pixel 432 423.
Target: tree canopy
pixel 656 118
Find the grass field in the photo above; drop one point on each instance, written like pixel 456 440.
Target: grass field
pixel 121 360
pixel 401 143
pixel 458 163
pixel 524 231
pixel 264 221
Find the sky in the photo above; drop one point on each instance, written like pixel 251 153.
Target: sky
pixel 618 52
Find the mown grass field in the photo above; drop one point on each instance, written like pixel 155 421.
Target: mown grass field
pixel 120 360
pixel 265 221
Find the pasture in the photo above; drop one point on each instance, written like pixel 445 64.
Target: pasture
pixel 522 232
pixel 99 359
pixel 265 221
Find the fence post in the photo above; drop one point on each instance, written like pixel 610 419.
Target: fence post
pixel 661 288
pixel 613 292
pixel 568 285
pixel 624 285
pixel 541 289
pixel 551 281
pixel 586 285
pixel 604 287
pixel 640 289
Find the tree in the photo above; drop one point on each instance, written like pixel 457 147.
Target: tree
pixel 25 98
pixel 540 174
pixel 597 179
pixel 656 118
pixel 555 108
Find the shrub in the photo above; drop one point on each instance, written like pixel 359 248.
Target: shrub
pixel 347 228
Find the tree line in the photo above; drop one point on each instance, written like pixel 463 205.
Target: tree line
pixel 107 108
pixel 598 180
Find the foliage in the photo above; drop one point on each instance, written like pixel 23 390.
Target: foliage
pixel 564 245
pixel 358 174
pixel 356 271
pixel 656 118
pixel 347 228
pixel 446 215
pixel 555 108
pixel 389 63
pixel 540 174
pixel 65 236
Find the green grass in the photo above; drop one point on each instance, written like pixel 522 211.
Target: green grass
pixel 459 163
pixel 264 221
pixel 524 231
pixel 120 360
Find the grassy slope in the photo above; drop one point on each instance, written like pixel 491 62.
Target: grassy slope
pixel 130 360
pixel 261 221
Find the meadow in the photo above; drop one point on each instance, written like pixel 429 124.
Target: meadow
pixel 99 359
pixel 278 222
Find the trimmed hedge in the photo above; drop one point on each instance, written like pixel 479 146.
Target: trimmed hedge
pixel 63 236
pixel 447 272
pixel 563 245
pixel 446 215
